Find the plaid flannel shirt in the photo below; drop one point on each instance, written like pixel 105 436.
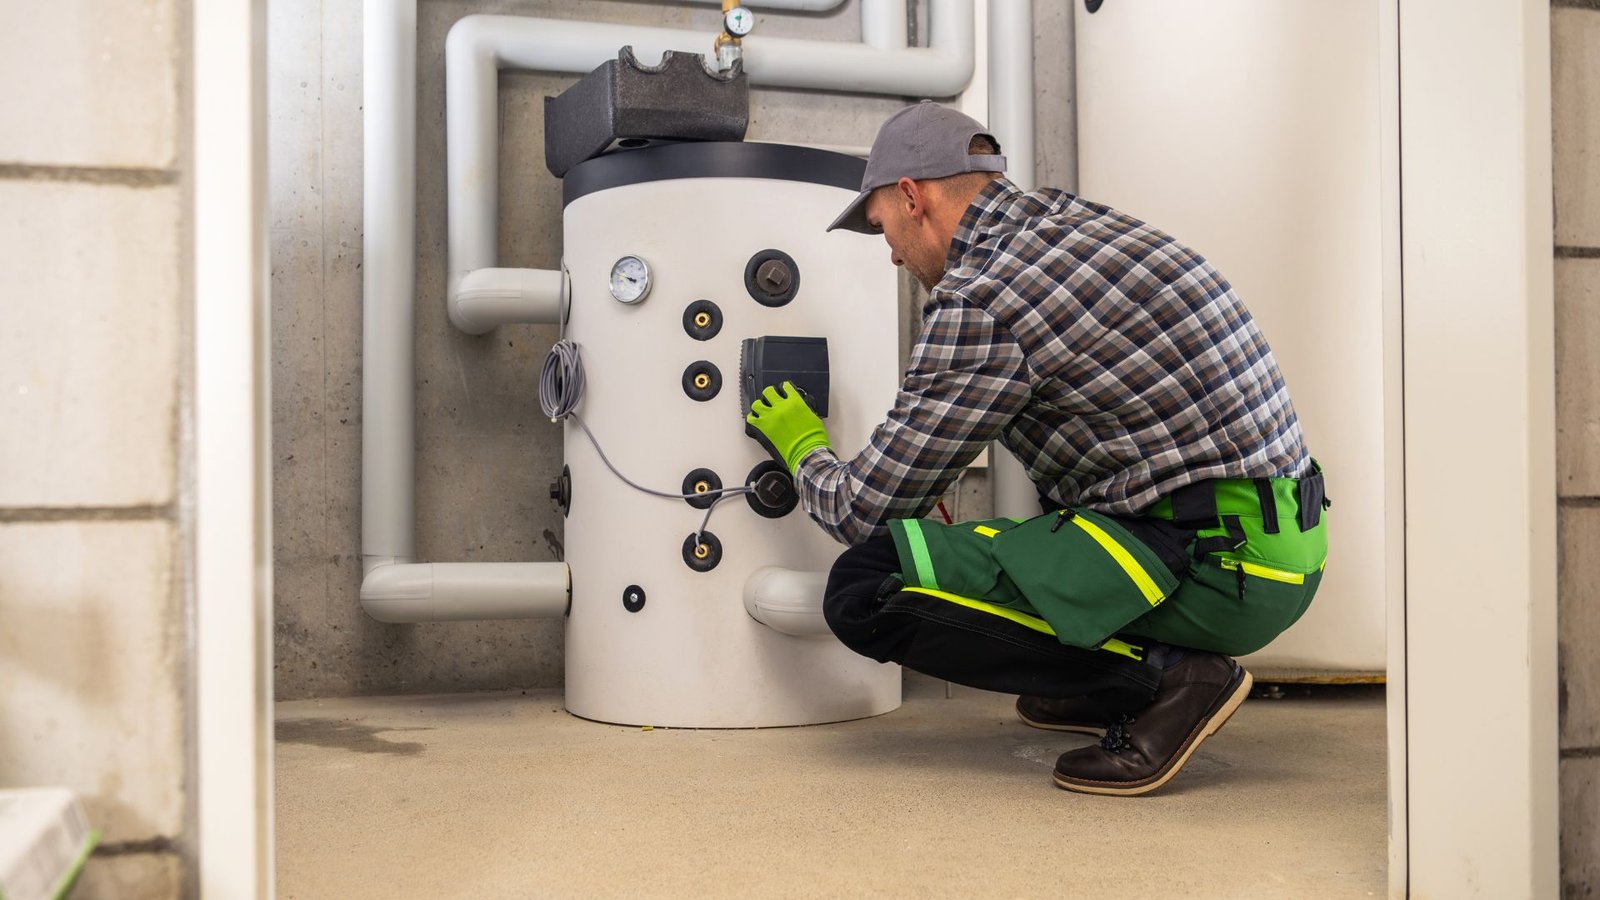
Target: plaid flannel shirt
pixel 1113 361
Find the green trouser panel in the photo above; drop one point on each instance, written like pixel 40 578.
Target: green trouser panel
pixel 1077 570
pixel 1090 579
pixel 1236 600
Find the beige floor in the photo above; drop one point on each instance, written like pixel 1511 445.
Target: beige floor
pixel 505 795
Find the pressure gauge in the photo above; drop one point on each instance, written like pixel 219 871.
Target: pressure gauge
pixel 630 279
pixel 738 21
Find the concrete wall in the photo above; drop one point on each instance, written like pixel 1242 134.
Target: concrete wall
pixel 1575 51
pixel 485 454
pixel 93 540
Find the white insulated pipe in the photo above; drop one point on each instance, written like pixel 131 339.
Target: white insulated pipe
pixel 394 588
pixel 1011 111
pixel 787 601
pixel 466 592
pixel 884 26
pixel 1011 86
pixel 388 281
pixel 479 46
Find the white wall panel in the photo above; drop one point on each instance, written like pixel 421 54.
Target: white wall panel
pixel 1255 132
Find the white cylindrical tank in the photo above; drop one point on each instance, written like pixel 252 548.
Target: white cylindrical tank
pixel 650 640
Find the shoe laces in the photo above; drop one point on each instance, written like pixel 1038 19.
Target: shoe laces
pixel 1117 737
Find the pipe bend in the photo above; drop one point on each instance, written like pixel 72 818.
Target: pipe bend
pixel 484 299
pixel 943 71
pixel 470 36
pixel 788 601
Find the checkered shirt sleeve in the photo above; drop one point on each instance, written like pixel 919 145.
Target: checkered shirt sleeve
pixel 966 381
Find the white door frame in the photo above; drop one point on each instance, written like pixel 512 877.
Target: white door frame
pixel 1477 797
pixel 232 476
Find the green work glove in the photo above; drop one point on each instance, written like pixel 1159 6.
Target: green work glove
pixel 781 421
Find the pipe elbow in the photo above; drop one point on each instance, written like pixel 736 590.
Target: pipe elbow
pixel 950 71
pixel 484 299
pixel 463 319
pixel 787 601
pixel 393 592
pixel 469 37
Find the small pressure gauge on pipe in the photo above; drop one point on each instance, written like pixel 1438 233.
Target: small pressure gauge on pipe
pixel 630 279
pixel 738 21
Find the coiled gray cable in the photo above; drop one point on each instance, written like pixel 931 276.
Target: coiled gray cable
pixel 561 385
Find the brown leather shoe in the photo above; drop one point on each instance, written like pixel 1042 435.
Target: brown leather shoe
pixel 1140 753
pixel 1079 714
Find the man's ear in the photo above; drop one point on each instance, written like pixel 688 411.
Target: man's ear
pixel 913 197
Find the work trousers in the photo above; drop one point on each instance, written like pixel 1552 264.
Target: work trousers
pixel 867 610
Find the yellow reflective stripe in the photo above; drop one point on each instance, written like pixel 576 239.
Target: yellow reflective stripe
pixel 1037 624
pixel 986 531
pixel 1123 648
pixel 1147 585
pixel 1034 622
pixel 1273 574
pixel 1259 571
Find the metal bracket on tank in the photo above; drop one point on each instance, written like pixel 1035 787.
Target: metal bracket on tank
pixel 628 104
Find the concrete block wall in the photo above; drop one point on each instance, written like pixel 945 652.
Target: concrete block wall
pixel 1575 61
pixel 93 548
pixel 485 454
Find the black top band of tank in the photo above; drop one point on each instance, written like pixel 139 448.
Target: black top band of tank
pixel 712 159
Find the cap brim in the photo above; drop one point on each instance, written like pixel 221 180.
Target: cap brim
pixel 854 217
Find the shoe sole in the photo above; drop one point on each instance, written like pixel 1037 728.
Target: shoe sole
pixel 1093 730
pixel 1211 725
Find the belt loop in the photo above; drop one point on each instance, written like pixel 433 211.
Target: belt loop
pixel 1269 506
pixel 1195 506
pixel 1234 539
pixel 1312 501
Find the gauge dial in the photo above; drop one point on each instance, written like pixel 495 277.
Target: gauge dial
pixel 738 21
pixel 630 279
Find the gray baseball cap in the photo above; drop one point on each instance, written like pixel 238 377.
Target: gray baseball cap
pixel 924 140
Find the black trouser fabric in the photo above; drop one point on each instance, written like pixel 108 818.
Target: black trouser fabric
pixel 871 615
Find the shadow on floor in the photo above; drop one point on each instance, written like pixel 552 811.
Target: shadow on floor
pixel 345 735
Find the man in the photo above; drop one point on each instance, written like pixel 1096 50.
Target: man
pixel 1183 515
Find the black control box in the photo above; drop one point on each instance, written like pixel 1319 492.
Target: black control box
pixel 772 360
